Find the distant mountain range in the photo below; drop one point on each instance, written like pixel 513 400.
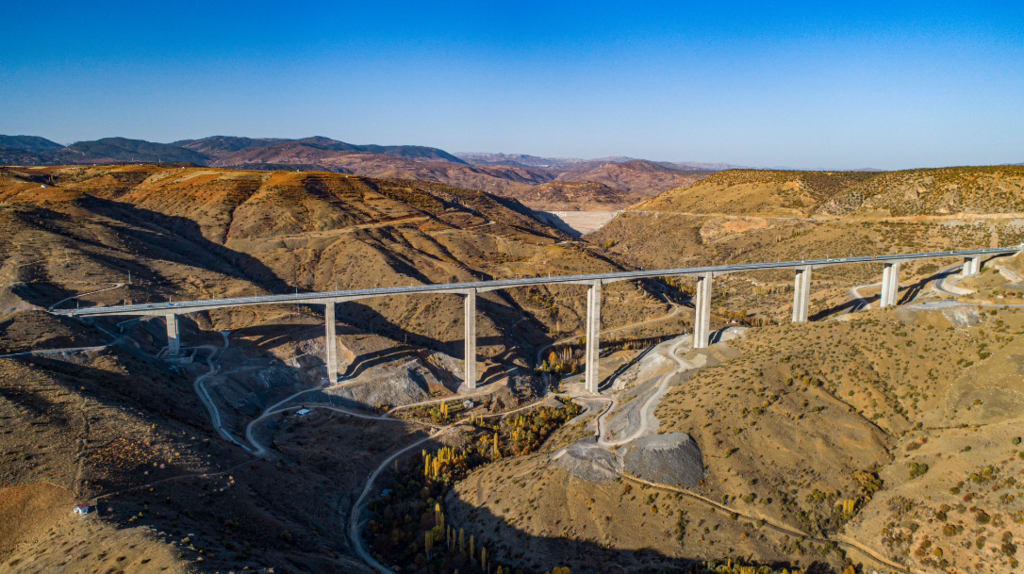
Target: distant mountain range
pixel 564 163
pixel 622 180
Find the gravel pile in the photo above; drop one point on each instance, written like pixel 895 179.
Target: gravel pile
pixel 666 459
pixel 672 459
pixel 586 460
pixel 393 383
pixel 962 316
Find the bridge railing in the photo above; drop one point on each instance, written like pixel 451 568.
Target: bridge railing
pixel 469 290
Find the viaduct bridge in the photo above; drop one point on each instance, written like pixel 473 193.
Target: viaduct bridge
pixel 594 282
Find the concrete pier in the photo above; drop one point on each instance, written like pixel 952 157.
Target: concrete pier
pixel 331 344
pixel 802 295
pixel 593 335
pixel 594 281
pixel 890 285
pixel 469 353
pixel 972 266
pixel 702 308
pixel 173 338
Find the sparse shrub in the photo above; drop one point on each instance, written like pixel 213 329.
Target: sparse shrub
pixel 917 469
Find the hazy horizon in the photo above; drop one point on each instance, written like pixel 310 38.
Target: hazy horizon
pixel 799 86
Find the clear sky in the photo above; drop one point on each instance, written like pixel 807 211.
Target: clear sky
pixel 815 84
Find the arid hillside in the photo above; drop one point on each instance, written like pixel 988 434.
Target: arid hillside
pixel 757 192
pixel 120 428
pixel 638 177
pixel 164 449
pixel 935 192
pixel 512 176
pixel 752 215
pixel 576 196
pixel 809 447
pixel 632 180
pixel 856 442
pixel 200 232
pixel 942 191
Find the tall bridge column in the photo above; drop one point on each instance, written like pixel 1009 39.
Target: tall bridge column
pixel 331 344
pixel 802 295
pixel 593 335
pixel 890 285
pixel 702 308
pixel 173 338
pixel 972 266
pixel 469 354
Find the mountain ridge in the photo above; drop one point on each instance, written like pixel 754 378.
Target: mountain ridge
pixel 34 144
pixel 511 175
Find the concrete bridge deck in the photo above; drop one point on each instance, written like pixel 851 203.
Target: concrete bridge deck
pixel 890 286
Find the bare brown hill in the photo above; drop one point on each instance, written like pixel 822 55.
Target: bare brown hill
pixel 935 192
pixel 755 215
pixel 273 150
pixel 941 191
pixel 836 430
pixel 576 196
pixel 757 192
pixel 823 445
pixel 640 177
pixel 512 176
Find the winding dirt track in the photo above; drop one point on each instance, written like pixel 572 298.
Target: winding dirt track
pixel 650 404
pixel 775 525
pixel 114 286
pixel 204 395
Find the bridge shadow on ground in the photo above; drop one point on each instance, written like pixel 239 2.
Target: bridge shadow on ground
pixel 180 240
pixel 238 528
pixel 363 319
pixel 906 295
pixel 367 361
pixel 519 551
pixel 269 336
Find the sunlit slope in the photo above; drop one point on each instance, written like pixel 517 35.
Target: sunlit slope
pixel 935 192
pixel 757 192
pixel 201 232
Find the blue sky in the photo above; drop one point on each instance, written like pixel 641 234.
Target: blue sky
pixel 822 84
